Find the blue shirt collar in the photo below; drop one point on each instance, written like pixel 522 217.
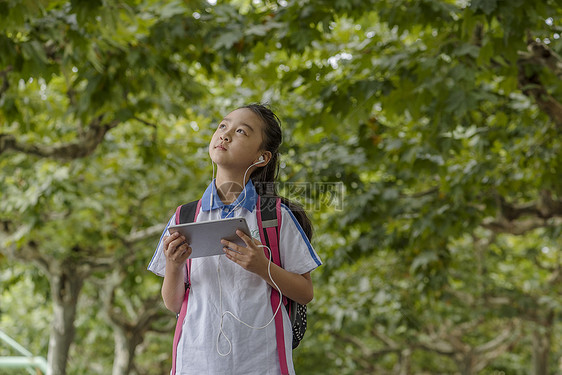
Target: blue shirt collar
pixel 249 203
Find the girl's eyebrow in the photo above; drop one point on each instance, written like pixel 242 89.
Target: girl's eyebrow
pixel 226 119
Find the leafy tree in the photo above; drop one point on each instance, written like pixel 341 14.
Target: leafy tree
pixel 70 77
pixel 454 111
pixel 442 120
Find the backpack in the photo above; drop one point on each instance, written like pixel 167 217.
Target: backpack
pixel 269 221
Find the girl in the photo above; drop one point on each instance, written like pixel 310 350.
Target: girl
pixel 226 328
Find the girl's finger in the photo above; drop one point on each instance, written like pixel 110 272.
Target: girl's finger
pixel 247 240
pixel 175 244
pixel 184 253
pixel 180 239
pixel 232 246
pixel 232 255
pixel 169 238
pixel 180 254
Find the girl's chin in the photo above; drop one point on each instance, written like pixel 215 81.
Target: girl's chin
pixel 217 158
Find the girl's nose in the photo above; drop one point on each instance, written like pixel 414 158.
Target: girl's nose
pixel 225 137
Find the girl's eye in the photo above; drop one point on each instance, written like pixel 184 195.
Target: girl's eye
pixel 221 126
pixel 241 131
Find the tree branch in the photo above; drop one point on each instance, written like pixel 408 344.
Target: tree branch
pixel 146 315
pixel 421 194
pixel 86 144
pixel 28 253
pixel 5 83
pixel 508 334
pixel 439 348
pixel 94 263
pixel 544 212
pixel 497 346
pixel 540 53
pixel 435 342
pixel 31 253
pixel 529 80
pixel 139 235
pixel 384 338
pixel 515 227
pixel 367 355
pixel 147 123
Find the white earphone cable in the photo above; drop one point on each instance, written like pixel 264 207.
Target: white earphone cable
pixel 223 314
pixel 212 186
pixel 243 189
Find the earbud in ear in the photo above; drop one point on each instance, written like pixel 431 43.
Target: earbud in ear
pixel 261 159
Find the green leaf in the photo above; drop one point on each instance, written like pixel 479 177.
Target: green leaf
pixel 487 6
pixel 423 260
pixel 171 9
pixel 227 39
pixel 467 49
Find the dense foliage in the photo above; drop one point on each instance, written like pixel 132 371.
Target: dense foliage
pixel 422 135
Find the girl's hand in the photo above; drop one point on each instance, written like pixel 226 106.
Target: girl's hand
pixel 176 249
pixel 251 258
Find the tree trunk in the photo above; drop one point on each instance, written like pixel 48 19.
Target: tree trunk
pixel 542 342
pixel 125 346
pixel 66 284
pixel 405 362
pixel 541 350
pixel 466 364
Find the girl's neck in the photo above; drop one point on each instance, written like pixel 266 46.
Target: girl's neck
pixel 229 185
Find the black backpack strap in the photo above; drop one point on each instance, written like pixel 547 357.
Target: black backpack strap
pixel 187 212
pixel 269 216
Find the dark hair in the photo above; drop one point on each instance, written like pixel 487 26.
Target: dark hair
pixel 264 178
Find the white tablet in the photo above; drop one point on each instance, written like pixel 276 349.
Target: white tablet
pixel 205 237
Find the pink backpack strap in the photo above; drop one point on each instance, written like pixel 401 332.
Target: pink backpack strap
pixel 273 236
pixel 183 310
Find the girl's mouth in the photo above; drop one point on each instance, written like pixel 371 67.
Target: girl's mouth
pixel 220 147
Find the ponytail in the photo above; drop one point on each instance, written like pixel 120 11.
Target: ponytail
pixel 264 178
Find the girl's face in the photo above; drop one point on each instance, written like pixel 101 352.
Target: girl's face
pixel 236 144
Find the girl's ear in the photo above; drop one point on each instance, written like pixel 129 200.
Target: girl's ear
pixel 264 159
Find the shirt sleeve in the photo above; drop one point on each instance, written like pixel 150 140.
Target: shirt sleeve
pixel 297 254
pixel 157 264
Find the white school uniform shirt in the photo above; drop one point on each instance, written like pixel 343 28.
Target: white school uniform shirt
pixel 245 294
